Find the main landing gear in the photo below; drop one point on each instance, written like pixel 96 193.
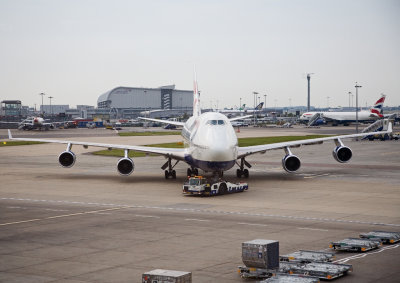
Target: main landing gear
pixel 170 172
pixel 241 171
pixel 192 171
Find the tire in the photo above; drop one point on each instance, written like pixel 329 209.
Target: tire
pixel 246 173
pixel 196 172
pixel 166 174
pixel 238 173
pixel 189 172
pixel 222 189
pixel 173 174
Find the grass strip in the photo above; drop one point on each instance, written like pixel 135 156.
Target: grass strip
pixel 242 142
pixel 15 143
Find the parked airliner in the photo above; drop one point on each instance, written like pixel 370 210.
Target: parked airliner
pixel 371 115
pixel 210 145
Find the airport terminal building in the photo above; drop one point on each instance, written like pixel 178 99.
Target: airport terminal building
pixel 128 102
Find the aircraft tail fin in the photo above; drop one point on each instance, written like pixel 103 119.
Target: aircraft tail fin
pixel 377 108
pixel 196 98
pixel 260 106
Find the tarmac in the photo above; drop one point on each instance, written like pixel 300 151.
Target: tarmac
pixel 89 224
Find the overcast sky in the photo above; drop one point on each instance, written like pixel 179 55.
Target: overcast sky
pixel 77 50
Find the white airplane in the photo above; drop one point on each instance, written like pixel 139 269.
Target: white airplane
pixel 33 123
pixel 242 110
pixel 210 145
pixel 374 113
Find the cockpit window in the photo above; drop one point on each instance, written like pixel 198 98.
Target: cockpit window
pixel 215 122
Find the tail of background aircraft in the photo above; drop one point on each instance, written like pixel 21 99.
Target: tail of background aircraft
pixel 377 108
pixel 259 106
pixel 196 98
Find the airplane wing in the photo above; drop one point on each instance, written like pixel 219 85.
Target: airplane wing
pixel 240 118
pixel 163 121
pixel 175 153
pixel 249 150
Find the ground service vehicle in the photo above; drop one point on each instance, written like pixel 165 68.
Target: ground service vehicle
pixel 198 185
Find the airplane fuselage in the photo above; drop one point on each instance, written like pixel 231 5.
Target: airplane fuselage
pixel 342 116
pixel 210 141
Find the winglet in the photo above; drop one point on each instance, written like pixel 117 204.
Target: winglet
pixel 9 134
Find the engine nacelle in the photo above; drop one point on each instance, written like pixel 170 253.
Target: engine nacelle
pixel 125 166
pixel 342 154
pixel 291 163
pixel 67 159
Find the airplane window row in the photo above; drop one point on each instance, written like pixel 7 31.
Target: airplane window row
pixel 215 122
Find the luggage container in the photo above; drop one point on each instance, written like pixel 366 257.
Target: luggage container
pixel 308 256
pixel 284 278
pixel 385 237
pixel 356 245
pixel 166 276
pixel 261 253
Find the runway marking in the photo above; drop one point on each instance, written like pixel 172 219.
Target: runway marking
pixel 147 216
pixel 200 220
pixel 253 224
pixel 63 216
pixel 357 256
pixel 312 229
pixel 311 176
pixel 289 217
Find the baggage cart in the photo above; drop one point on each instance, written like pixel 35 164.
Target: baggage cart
pixel 355 245
pixel 385 237
pixel 308 256
pixel 166 276
pixel 322 270
pixel 285 278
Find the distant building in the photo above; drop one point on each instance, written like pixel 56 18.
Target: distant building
pixel 11 108
pixel 128 102
pixel 53 109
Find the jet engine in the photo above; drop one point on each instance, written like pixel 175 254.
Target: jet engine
pixel 125 166
pixel 67 159
pixel 291 163
pixel 342 154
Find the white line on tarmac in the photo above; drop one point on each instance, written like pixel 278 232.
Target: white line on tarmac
pixel 253 224
pixel 193 219
pixel 312 229
pixel 62 216
pixel 357 256
pixel 147 216
pixel 287 217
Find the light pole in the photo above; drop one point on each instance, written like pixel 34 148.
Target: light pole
pixel 349 98
pixel 254 111
pixel 240 103
pixel 265 104
pixel 357 87
pixel 51 110
pixel 327 102
pixel 42 94
pixel 308 97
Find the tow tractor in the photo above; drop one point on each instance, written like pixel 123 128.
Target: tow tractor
pixel 199 185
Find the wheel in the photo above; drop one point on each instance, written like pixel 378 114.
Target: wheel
pixel 173 174
pixel 238 173
pixel 222 189
pixel 189 172
pixel 246 173
pixel 166 174
pixel 221 174
pixel 196 171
